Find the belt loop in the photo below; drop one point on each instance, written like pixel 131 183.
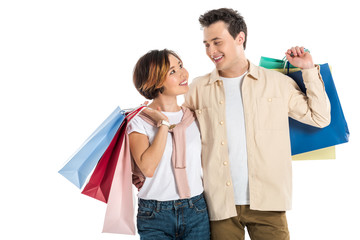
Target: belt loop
pixel 158 207
pixel 191 203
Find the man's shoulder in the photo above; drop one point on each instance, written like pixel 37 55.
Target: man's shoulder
pixel 264 74
pixel 268 72
pixel 201 80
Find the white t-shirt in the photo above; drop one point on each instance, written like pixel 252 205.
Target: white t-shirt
pixel 162 185
pixel 235 129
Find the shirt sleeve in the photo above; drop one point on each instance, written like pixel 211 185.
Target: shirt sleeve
pixel 190 96
pixel 136 125
pixel 314 107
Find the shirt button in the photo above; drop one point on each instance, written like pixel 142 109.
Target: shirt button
pixel 222 143
pixel 199 111
pixel 221 102
pixel 269 99
pixel 228 183
pixel 222 123
pixel 225 163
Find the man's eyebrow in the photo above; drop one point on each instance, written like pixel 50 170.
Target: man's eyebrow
pixel 214 39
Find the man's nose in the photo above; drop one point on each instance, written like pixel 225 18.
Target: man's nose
pixel 212 50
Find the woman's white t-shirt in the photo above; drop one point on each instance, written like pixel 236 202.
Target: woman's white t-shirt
pixel 162 185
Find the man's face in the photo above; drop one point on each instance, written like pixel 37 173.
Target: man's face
pixel 221 47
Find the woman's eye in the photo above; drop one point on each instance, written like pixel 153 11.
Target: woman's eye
pixel 181 66
pixel 172 72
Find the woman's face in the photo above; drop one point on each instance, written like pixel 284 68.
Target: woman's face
pixel 176 82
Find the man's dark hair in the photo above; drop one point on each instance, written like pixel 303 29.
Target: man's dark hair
pixel 231 17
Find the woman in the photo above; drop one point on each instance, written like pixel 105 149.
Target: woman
pixel 167 149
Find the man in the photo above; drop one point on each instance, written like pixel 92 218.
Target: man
pixel 243 112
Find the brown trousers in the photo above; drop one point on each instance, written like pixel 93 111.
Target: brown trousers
pixel 261 225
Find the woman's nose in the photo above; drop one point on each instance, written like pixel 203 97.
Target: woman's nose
pixel 184 73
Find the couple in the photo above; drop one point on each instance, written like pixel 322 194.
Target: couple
pixel 224 155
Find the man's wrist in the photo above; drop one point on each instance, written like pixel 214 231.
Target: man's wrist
pixel 309 66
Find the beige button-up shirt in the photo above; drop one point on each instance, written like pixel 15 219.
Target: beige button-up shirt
pixel 269 98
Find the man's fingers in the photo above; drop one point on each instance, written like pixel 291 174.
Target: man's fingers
pixel 288 56
pixel 139 185
pixel 302 49
pixel 296 51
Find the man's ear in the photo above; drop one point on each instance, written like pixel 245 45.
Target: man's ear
pixel 240 38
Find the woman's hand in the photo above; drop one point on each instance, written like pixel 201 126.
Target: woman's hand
pixel 155 114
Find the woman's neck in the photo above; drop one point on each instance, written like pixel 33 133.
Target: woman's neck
pixel 166 104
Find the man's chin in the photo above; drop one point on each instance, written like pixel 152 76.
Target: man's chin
pixel 219 67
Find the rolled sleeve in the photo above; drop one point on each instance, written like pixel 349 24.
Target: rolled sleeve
pixel 314 107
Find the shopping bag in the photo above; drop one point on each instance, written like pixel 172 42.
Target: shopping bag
pixel 119 216
pixel 305 138
pixel 99 184
pixel 277 64
pixel 284 67
pixel 320 154
pixel 78 168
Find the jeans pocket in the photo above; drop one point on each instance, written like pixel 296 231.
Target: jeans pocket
pixel 145 213
pixel 200 205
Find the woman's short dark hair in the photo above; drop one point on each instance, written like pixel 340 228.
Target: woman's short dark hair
pixel 150 72
pixel 231 17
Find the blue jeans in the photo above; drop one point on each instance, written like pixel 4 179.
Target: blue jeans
pixel 180 219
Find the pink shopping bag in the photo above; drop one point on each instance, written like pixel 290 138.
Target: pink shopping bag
pixel 119 216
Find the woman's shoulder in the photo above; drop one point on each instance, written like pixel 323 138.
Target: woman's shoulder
pixel 138 124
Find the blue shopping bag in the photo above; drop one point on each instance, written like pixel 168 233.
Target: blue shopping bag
pixel 305 138
pixel 84 160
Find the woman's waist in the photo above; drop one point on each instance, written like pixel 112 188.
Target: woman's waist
pixel 170 204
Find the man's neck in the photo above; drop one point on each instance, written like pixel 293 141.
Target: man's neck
pixel 236 70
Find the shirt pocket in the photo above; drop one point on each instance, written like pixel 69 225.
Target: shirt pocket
pixel 271 113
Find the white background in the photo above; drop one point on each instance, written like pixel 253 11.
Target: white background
pixel 65 65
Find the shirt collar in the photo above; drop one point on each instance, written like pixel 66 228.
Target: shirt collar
pixel 253 72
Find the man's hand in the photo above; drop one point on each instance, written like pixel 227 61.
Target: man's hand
pixel 299 58
pixel 137 182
